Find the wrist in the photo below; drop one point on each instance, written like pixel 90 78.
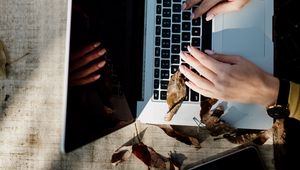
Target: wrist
pixel 271 91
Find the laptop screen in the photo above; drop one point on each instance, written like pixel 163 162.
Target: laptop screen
pixel 103 106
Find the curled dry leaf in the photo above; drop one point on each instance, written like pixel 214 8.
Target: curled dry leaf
pixel 121 154
pixel 216 126
pixel 2 62
pixel 176 94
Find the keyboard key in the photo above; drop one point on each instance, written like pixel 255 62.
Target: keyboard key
pixel 165 53
pixel 158 20
pixel 166 23
pixel 175 38
pixel 196 31
pixel 158 1
pixel 184 46
pixel 158 9
pixel 165 64
pixel 157 62
pixel 157 30
pixel 157 51
pixel 187 97
pixel 194 96
pixel 186 26
pixel 186 36
pixel 156 84
pixel 163 95
pixel 165 43
pixel 176 28
pixel 175 49
pixel 166 3
pixel 196 22
pixel 164 84
pixel 176 18
pixel 186 16
pixel 166 12
pixel 196 42
pixel 156 73
pixel 157 41
pixel 175 59
pixel 174 68
pixel 176 8
pixel 155 94
pixel 164 74
pixel 166 33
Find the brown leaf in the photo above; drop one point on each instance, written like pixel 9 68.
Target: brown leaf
pixel 176 93
pixel 149 156
pixel 122 154
pixel 2 62
pixel 206 104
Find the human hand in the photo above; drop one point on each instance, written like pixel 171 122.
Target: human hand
pixel 228 78
pixel 214 7
pixel 84 64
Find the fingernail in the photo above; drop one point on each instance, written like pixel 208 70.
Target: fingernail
pixel 101 64
pixel 192 16
pixel 97 44
pixel 209 52
pixel 97 77
pixel 183 6
pixel 209 17
pixel 189 48
pixel 101 52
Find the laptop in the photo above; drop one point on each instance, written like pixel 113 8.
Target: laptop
pixel 143 40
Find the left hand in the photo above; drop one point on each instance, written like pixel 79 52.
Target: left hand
pixel 82 69
pixel 230 78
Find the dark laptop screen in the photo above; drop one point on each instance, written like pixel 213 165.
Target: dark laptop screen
pixel 109 103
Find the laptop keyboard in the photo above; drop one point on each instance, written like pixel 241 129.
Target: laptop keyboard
pixel 174 31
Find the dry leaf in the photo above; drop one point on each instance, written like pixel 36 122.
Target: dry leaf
pixel 122 154
pixel 175 95
pixel 212 121
pixel 149 156
pixel 2 62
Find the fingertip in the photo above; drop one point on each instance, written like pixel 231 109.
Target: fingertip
pixel 183 7
pixel 96 77
pixel 209 52
pixel 209 17
pixel 97 44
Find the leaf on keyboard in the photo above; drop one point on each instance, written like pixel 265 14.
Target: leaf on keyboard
pixel 175 94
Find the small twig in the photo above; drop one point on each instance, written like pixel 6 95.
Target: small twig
pixel 137 133
pixel 16 60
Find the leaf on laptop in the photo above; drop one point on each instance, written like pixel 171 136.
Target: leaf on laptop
pixel 2 62
pixel 176 93
pixel 211 118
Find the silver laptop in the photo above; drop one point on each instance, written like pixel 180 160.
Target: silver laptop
pixel 247 33
pixel 144 39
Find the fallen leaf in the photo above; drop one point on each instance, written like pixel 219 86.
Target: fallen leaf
pixel 2 61
pixel 149 156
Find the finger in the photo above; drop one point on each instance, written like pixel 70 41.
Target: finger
pixel 195 78
pixel 87 59
pixel 198 89
pixel 204 6
pixel 202 70
pixel 209 62
pixel 223 58
pixel 85 80
pixel 224 7
pixel 189 3
pixel 85 50
pixel 87 71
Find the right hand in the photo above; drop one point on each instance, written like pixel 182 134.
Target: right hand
pixel 214 7
pixel 82 69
